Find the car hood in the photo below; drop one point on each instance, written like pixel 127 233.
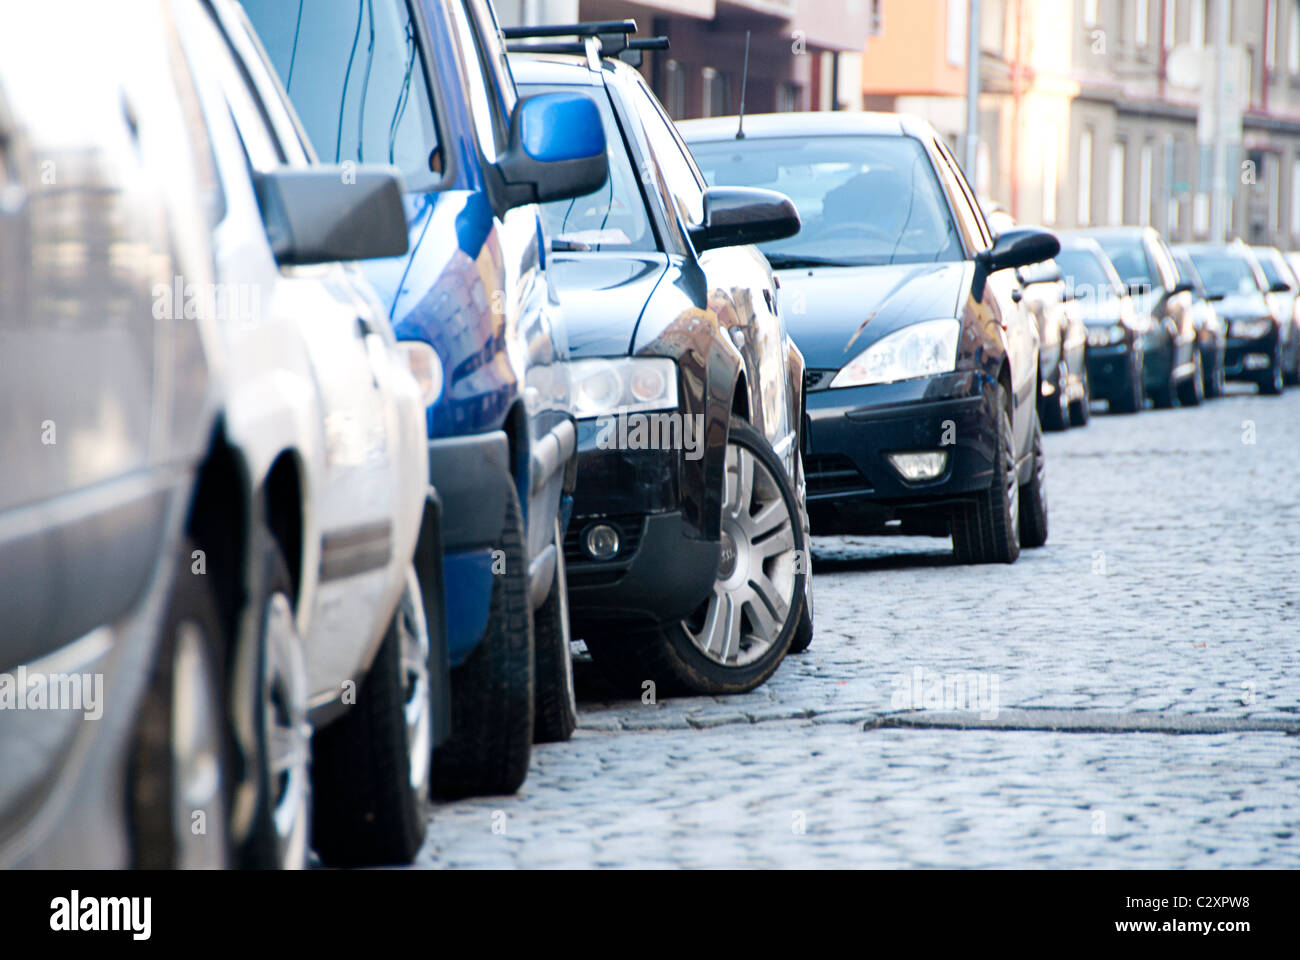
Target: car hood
pixel 602 297
pixel 834 313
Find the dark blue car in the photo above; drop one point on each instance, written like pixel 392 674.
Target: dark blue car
pixel 424 85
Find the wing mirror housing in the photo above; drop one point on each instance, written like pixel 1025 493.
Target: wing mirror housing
pixel 734 216
pixel 556 151
pixel 330 212
pixel 1019 247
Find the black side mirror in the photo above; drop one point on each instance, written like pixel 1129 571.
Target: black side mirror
pixel 1280 287
pixel 324 213
pixel 1215 296
pixel 556 151
pixel 1019 247
pixel 738 215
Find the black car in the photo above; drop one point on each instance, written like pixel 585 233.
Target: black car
pixel 1064 396
pixel 1285 286
pixel 1115 356
pixel 923 367
pixel 1172 363
pixel 1254 351
pixel 686 553
pixel 1211 334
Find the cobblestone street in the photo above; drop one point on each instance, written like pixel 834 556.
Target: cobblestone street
pixel 1127 696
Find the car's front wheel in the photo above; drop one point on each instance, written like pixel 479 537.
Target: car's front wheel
pixel 1055 410
pixel 556 702
pixel 987 529
pixel 739 634
pixel 1192 390
pixel 1271 382
pixel 1033 498
pixel 1081 409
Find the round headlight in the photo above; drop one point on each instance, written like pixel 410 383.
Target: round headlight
pixel 647 383
pixel 602 389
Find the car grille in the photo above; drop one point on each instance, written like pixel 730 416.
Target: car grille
pixel 814 380
pixel 629 538
pixel 833 473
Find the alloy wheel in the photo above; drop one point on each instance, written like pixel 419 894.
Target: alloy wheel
pixel 1011 479
pixel 288 734
pixel 196 749
pixel 413 636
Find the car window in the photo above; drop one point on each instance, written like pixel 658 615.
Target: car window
pixel 1272 271
pixel 968 209
pixel 492 52
pixel 684 187
pixel 1129 256
pixel 485 106
pixel 1085 274
pixel 1225 273
pixel 260 144
pixel 1166 273
pixel 862 199
pixel 355 74
pixel 611 218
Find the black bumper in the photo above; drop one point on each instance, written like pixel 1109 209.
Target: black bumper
pixel 472 474
pixel 1238 349
pixel 1110 370
pixel 851 431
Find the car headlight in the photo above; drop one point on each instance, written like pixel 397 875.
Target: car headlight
pixel 625 385
pixel 1106 336
pixel 919 350
pixel 426 367
pixel 1250 329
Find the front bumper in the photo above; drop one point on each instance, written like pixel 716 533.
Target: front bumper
pixel 851 431
pixel 1236 362
pixel 1109 370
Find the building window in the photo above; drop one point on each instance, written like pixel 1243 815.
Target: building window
pixel 1201 213
pixel 1115 214
pixel 877 21
pixel 716 92
pixel 788 98
pixel 1198 24
pixel 1274 191
pixel 1049 174
pixel 1293 39
pixel 957 33
pixel 1171 23
pixel 675 90
pixel 1144 186
pixel 1274 41
pixel 1091 15
pixel 1085 177
pixel 1142 32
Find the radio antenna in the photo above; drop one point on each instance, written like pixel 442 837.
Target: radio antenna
pixel 744 81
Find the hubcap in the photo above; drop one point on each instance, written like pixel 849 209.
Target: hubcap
pixel 754 590
pixel 196 785
pixel 413 637
pixel 288 735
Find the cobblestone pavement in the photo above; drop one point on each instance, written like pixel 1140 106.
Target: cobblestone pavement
pixel 1127 696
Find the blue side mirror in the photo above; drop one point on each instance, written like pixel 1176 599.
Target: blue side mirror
pixel 556 151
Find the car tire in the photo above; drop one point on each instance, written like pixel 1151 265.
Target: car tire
pixel 803 634
pixel 987 530
pixel 492 692
pixel 1292 377
pixel 1056 412
pixel 1131 396
pixel 761 522
pixel 271 709
pixel 1271 381
pixel 1192 390
pixel 1033 497
pixel 1213 376
pixel 370 767
pixel 1081 409
pixel 1164 396
pixel 555 712
pixel 181 749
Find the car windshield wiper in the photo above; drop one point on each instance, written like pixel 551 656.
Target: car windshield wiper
pixel 780 260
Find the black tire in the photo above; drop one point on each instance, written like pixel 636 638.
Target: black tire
pixel 368 804
pixel 987 530
pixel 1131 397
pixel 666 655
pixel 1055 412
pixel 1292 377
pixel 163 834
pixel 283 693
pixel 1081 409
pixel 555 713
pixel 1164 396
pixel 1214 384
pixel 1192 390
pixel 492 692
pixel 1033 498
pixel 803 634
pixel 1271 381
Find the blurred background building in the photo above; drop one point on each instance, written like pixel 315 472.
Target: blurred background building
pixel 1088 112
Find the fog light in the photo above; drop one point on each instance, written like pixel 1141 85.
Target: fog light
pixel 601 542
pixel 1257 361
pixel 919 466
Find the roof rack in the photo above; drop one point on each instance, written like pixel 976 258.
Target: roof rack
pixel 609 36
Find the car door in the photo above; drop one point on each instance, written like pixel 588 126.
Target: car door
pixel 352 500
pixel 1178 307
pixel 741 288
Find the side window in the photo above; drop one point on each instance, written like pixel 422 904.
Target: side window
pixel 205 161
pixel 968 211
pixel 1164 272
pixel 260 144
pixel 492 50
pixel 356 77
pixel 485 105
pixel 684 185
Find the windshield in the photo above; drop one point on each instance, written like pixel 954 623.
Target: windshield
pixel 863 200
pixel 1130 260
pixel 1226 274
pixel 1085 274
pixel 356 79
pixel 614 216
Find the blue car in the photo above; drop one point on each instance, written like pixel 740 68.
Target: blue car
pixel 424 85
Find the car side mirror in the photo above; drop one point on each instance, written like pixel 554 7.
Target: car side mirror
pixel 330 212
pixel 556 151
pixel 1215 296
pixel 1280 287
pixel 1182 286
pixel 734 216
pixel 1019 247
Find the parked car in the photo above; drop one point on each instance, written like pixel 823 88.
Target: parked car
pixel 1171 361
pixel 1211 334
pixel 687 560
pixel 1064 397
pixel 435 96
pixel 923 368
pixel 1249 308
pixel 1285 286
pixel 110 408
